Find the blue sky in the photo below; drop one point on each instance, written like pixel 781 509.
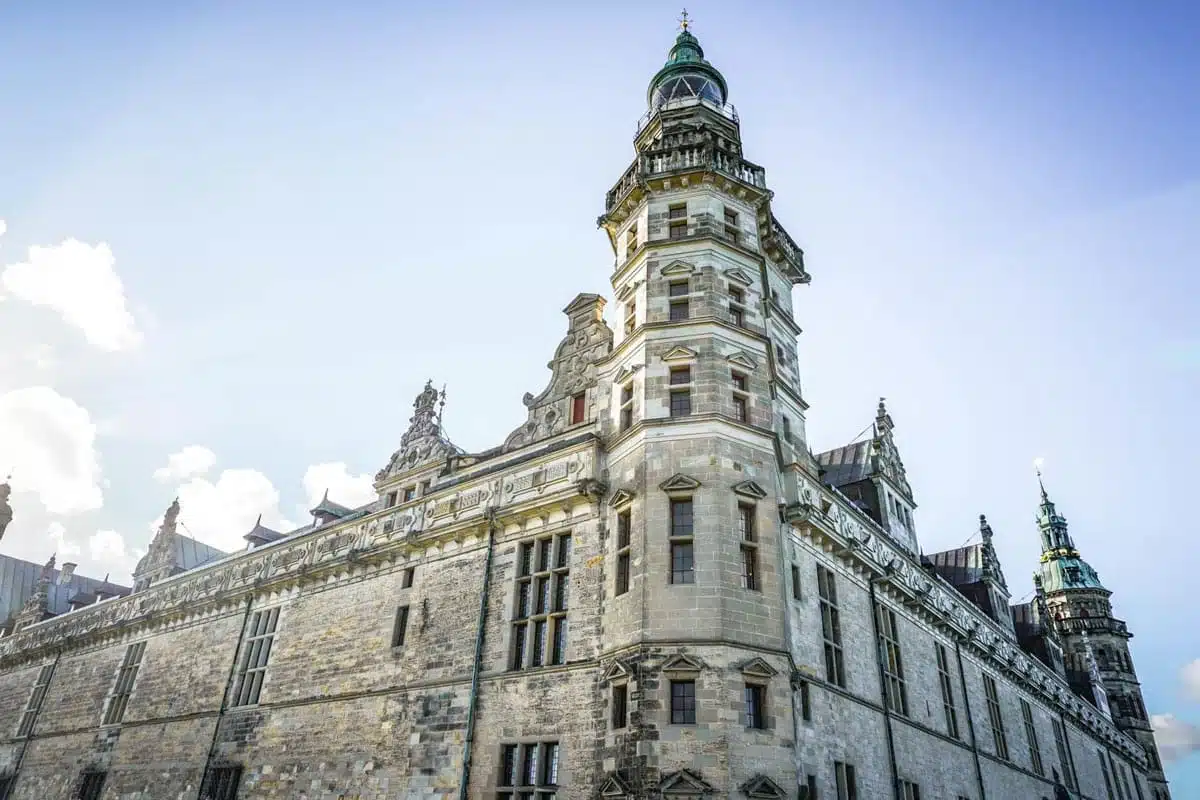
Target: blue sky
pixel 313 207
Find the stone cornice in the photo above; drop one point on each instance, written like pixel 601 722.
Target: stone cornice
pixel 832 522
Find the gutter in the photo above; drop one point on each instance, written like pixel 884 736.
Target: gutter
pixel 962 680
pixel 32 727
pixel 212 745
pixel 887 713
pixel 473 699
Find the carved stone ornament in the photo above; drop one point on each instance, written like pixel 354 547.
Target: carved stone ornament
pixel 423 442
pixel 6 512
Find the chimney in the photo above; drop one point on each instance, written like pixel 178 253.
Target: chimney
pixel 66 573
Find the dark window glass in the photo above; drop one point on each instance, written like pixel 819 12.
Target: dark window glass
pixel 91 785
pixel 256 651
pixel 677 211
pixel 681 375
pixel 221 783
pixel 678 311
pixel 683 702
pixel 408 578
pixel 681 403
pixel 795 582
pixel 678 230
pixel 620 705
pixel 831 629
pixel 756 706
pixel 400 631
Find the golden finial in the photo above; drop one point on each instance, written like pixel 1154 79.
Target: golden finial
pixel 684 22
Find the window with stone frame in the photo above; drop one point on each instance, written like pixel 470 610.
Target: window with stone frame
pixel 630 316
pixel 631 239
pixel 91 785
pixel 390 500
pixel 400 627
pixel 737 306
pixel 1108 781
pixel 256 652
pixel 1035 751
pixel 1064 757
pixel 680 391
pixel 578 408
pixel 845 785
pixel 626 406
pixel 624 525
pixel 678 293
pixel 741 398
pixel 995 717
pixel 677 220
pixel 683 702
pixel 620 706
pixel 756 706
pixel 831 627
pixel 528 771
pixel 893 666
pixel 749 546
pixel 947 686
pixel 118 699
pixel 410 494
pixel 909 790
pixel 539 628
pixel 40 685
pixel 805 700
pixel 406 580
pixel 683 566
pixel 221 783
pixel 732 231
pixel 796 582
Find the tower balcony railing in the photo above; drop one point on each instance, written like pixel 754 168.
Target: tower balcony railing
pixel 786 242
pixel 1091 625
pixel 653 163
pixel 726 110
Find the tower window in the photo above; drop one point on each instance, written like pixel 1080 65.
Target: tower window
pixel 683 567
pixel 683 702
pixel 731 225
pixel 681 393
pixel 620 706
pixel 831 627
pixel 631 240
pixel 756 706
pixel 679 230
pixel 578 408
pixel 627 406
pixel 737 306
pixel 630 317
pixel 677 211
pixel 678 307
pixel 623 526
pixel 740 398
pixel 749 548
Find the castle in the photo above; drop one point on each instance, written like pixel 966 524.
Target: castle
pixel 652 589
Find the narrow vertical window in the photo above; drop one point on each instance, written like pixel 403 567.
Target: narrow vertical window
pixel 508 765
pixel 25 728
pixel 995 718
pixel 749 546
pixel 683 702
pixel 123 687
pixel 630 316
pixel 400 627
pixel 805 702
pixel 677 292
pixel 91 785
pixel 737 306
pixel 543 588
pixel 627 406
pixel 623 528
pixel 631 240
pixel 391 500
pixel 681 393
pixel 795 582
pixel 1035 752
pixel 256 651
pixel 948 707
pixel 1064 758
pixel 578 408
pixel 741 400
pixel 831 628
pixel 677 214
pixel 682 563
pixel 731 225
pixel 909 791
pixel 843 775
pixel 756 706
pixel 893 667
pixel 221 783
pixel 407 581
pixel 1108 781
pixel 787 430
pixel 620 706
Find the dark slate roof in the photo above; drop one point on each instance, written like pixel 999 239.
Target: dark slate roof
pixel 327 506
pixel 190 553
pixel 18 580
pixel 845 465
pixel 1025 618
pixel 960 566
pixel 260 534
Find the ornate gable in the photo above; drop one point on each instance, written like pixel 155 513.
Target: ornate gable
pixel 763 787
pixel 750 489
pixel 572 369
pixel 885 457
pixel 679 483
pixel 758 668
pixel 684 783
pixel 423 442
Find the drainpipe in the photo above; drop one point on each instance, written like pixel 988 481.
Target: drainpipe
pixel 962 679
pixel 887 714
pixel 473 700
pixel 212 745
pixel 33 727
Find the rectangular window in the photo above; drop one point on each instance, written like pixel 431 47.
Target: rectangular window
pixel 631 239
pixel 805 702
pixel 6 784
pixel 620 706
pixel 893 667
pixel 909 791
pixel 407 581
pixel 623 527
pixel 680 376
pixel 731 225
pixel 843 775
pixel 1035 752
pixel 256 651
pixel 739 408
pixel 1108 781
pixel 756 706
pixel 995 719
pixel 528 771
pixel 543 593
pixel 426 487
pixel 831 628
pixel 678 307
pixel 627 406
pixel 795 582
pixel 681 402
pixel 221 783
pixel 578 408
pixel 682 564
pixel 678 311
pixel 630 317
pixel 25 728
pixel 787 430
pixel 678 230
pixel 749 546
pixel 91 785
pixel 410 494
pixel 123 687
pixel 737 306
pixel 391 499
pixel 400 627
pixel 731 217
pixel 683 702
pixel 943 667
pixel 1064 759
pixel 677 211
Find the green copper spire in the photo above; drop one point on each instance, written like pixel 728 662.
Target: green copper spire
pixel 686 75
pixel 1052 524
pixel 1062 567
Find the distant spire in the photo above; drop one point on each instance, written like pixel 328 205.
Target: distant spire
pixel 684 21
pixel 1052 524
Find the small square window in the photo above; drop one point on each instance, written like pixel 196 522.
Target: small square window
pixel 679 311
pixel 677 211
pixel 737 316
pixel 736 295
pixel 731 217
pixel 681 375
pixel 739 382
pixel 678 289
pixel 681 403
pixel 679 230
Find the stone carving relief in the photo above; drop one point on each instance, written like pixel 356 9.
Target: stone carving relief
pixel 423 442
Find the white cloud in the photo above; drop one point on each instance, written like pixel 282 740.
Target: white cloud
pixel 349 490
pixel 189 462
pixel 78 281
pixel 107 546
pixel 1176 739
pixel 57 533
pixel 220 513
pixel 49 447
pixel 1190 677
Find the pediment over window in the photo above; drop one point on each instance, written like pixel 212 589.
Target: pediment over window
pixel 617 671
pixel 742 360
pixel 628 290
pixel 764 788
pixel 678 268
pixel 621 497
pixel 758 668
pixel 614 787
pixel 625 374
pixel 679 354
pixel 750 489
pixel 682 662
pixel 679 483
pixel 684 783
pixel 739 275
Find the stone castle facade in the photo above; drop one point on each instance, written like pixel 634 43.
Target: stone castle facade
pixel 652 589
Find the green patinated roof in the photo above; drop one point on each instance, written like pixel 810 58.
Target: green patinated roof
pixel 686 59
pixel 1064 569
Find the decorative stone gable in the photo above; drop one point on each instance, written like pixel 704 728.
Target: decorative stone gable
pixel 885 456
pixel 34 610
pixel 573 371
pixel 159 563
pixel 423 442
